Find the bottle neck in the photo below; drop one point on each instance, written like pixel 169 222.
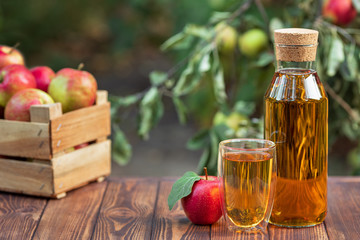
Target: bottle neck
pixel 310 65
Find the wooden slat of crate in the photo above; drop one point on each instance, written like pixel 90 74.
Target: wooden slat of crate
pixel 80 126
pixel 24 139
pixel 26 177
pixel 81 166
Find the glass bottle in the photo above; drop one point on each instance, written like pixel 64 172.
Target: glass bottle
pixel 296 119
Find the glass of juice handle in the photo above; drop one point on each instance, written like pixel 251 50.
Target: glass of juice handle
pixel 247 175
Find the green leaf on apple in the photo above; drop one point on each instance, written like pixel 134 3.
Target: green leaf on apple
pixel 182 188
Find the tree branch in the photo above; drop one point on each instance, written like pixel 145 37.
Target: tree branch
pixel 352 113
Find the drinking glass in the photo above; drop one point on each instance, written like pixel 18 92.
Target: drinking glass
pixel 247 175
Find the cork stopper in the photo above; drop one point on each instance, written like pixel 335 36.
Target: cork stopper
pixel 296 44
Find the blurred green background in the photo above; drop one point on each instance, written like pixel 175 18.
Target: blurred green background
pixel 118 41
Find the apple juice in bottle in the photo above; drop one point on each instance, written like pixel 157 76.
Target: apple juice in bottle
pixel 296 119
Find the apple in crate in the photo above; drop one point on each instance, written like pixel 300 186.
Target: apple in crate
pixel 43 76
pixel 10 55
pixel 80 146
pixel 18 107
pixel 14 78
pixel 73 88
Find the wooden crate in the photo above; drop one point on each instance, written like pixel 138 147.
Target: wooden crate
pixel 35 157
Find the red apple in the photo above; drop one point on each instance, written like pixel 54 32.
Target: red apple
pixel 340 12
pixel 9 55
pixel 73 88
pixel 81 146
pixel 202 206
pixel 14 78
pixel 43 76
pixel 18 107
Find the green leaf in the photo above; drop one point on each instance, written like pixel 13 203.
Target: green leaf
pixel 150 112
pixel 180 109
pixel 264 59
pixel 182 188
pixel 275 23
pixel 199 31
pixel 218 80
pixel 221 131
pixel 204 65
pixel 117 102
pixel 200 140
pixel 204 159
pixel 219 16
pixel 336 56
pixel 187 81
pixel 157 78
pixel 213 159
pixel 356 4
pixel 125 101
pixel 177 42
pixel 245 107
pixel 121 149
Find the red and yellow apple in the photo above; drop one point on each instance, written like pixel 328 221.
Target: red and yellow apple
pixel 81 146
pixel 73 88
pixel 14 78
pixel 203 205
pixel 43 76
pixel 18 107
pixel 339 12
pixel 10 55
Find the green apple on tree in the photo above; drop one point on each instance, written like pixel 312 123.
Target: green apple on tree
pixel 73 88
pixel 226 37
pixel 252 42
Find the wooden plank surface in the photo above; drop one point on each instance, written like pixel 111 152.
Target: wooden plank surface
pixel 127 210
pixel 343 219
pixel 80 126
pixel 81 166
pixel 311 233
pixel 24 139
pixel 19 215
pixel 26 177
pixel 73 217
pixel 136 208
pixel 174 224
pixel 220 231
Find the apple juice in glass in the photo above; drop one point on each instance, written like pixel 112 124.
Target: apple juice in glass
pixel 296 119
pixel 247 177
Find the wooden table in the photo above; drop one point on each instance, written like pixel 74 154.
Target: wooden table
pixel 136 208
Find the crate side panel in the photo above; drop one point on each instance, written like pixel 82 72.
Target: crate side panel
pixel 81 166
pixel 80 126
pixel 24 139
pixel 26 177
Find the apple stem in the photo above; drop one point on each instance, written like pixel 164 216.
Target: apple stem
pixel 206 174
pixel 14 47
pixel 81 66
